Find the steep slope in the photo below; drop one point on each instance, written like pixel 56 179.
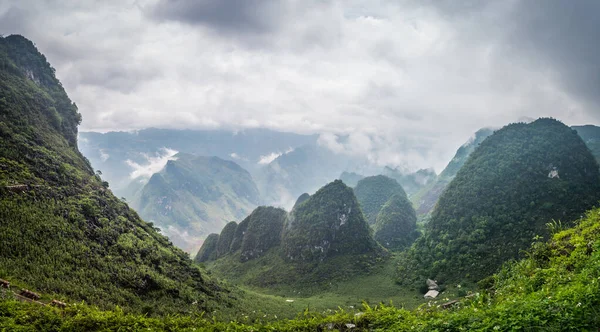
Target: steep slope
pixel 324 238
pixel 373 192
pixel 329 223
pixel 411 182
pixel 396 224
pixel 225 239
pixel 62 230
pixel 208 251
pixel 425 199
pixel 518 179
pixel 251 239
pixel 591 136
pixel 555 287
pixel 194 196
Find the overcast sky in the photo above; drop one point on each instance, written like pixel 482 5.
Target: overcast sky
pixel 409 81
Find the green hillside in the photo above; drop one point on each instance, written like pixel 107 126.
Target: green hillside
pixel 194 196
pixel 325 238
pixel 519 178
pixel 62 231
pixel 556 288
pixel 373 192
pixel 425 199
pixel 329 223
pixel 396 224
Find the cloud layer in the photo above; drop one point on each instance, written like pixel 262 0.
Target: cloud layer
pixel 153 164
pixel 406 82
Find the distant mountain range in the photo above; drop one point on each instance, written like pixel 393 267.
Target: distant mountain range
pixel 193 196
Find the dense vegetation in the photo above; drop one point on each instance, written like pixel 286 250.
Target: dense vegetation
pixel 251 239
pixel 426 198
pixel 64 234
pixel 329 223
pixel 196 196
pixel 373 192
pixel 519 178
pixel 556 288
pixel 324 237
pixel 396 225
pixel 225 239
pixel 62 231
pixel 208 251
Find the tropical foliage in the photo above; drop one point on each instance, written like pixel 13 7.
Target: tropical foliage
pixel 62 231
pixel 518 179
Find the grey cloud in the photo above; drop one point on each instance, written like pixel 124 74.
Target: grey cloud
pixel 115 76
pixel 556 36
pixel 565 35
pixel 404 82
pixel 226 16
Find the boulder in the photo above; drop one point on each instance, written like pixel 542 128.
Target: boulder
pixel 432 285
pixel 432 294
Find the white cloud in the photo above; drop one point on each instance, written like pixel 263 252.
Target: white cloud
pixel 154 163
pixel 393 75
pixel 268 158
pixel 103 155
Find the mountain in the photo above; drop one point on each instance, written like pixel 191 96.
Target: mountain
pixel 304 170
pixel 411 182
pixel 324 238
pixel 373 192
pixel 193 196
pixel 425 199
pixel 328 223
pixel 124 156
pixel 591 136
pixel 396 223
pixel 208 251
pixel 519 179
pixel 63 232
pixel 350 178
pixel 303 198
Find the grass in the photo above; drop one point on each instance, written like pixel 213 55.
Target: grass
pixel 373 288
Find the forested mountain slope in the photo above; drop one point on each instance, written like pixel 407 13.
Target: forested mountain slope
pixel 556 288
pixel 373 192
pixel 324 238
pixel 519 179
pixel 62 231
pixel 426 198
